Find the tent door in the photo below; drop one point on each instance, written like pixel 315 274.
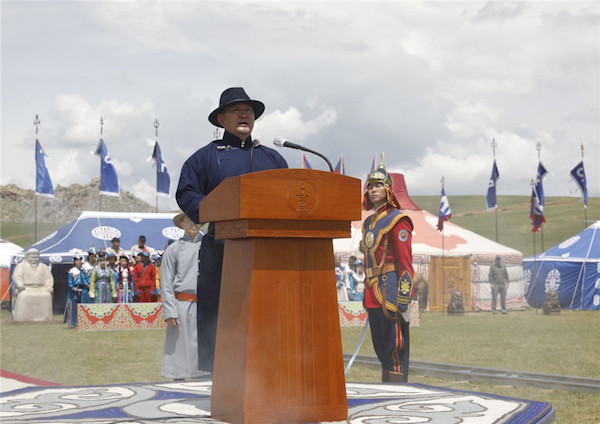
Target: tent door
pixel 446 274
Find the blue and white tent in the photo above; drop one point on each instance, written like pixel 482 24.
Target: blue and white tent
pixel 98 228
pixel 572 268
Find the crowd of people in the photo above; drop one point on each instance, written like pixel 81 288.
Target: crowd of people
pixel 113 275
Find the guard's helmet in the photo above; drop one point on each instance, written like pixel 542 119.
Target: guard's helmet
pixel 381 175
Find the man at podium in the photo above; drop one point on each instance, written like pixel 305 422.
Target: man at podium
pixel 235 154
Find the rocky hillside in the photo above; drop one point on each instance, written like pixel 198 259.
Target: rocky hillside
pixel 18 205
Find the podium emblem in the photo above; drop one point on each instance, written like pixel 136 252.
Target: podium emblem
pixel 303 197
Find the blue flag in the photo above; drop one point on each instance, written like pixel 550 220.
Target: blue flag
pixel 578 175
pixel 109 182
pixel 445 212
pixel 163 181
pixel 491 192
pixel 43 184
pixel 536 211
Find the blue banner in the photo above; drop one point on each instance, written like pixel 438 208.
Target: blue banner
pixel 43 183
pixel 445 212
pixel 491 192
pixel 109 182
pixel 578 175
pixel 163 181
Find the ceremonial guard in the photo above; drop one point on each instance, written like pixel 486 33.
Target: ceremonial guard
pixel 386 243
pixel 78 282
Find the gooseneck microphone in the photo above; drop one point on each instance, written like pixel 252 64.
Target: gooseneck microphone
pixel 282 142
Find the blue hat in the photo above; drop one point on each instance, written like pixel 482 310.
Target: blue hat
pixel 92 250
pixel 232 96
pixel 144 253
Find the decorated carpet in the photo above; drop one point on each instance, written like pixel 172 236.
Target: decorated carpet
pixel 119 316
pixel 187 402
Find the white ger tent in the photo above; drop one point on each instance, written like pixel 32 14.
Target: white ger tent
pixel 463 263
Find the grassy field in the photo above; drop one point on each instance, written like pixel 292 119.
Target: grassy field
pixel 568 344
pixel 564 218
pixel 525 341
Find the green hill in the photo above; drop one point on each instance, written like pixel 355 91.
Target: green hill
pixel 564 217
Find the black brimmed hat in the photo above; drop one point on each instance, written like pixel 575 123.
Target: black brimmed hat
pixel 232 96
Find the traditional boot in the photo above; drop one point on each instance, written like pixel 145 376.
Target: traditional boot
pixel 392 377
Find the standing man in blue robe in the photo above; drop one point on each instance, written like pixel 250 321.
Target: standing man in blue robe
pixel 235 154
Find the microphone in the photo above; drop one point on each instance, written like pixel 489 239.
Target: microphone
pixel 282 142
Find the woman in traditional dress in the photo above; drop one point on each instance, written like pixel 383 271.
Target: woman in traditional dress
pixel 102 283
pixel 356 280
pixel 78 282
pixel 124 280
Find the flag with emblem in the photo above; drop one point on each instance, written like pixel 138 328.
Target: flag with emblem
pixel 163 181
pixel 491 192
pixel 305 164
pixel 578 175
pixel 536 211
pixel 109 182
pixel 43 183
pixel 445 212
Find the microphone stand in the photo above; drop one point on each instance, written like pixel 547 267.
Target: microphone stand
pixel 255 142
pixel 306 149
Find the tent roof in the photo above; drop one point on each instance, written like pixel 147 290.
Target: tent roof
pixel 98 228
pixel 7 249
pixel 584 245
pixel 426 238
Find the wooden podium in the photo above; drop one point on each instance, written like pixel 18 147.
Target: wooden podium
pixel 278 352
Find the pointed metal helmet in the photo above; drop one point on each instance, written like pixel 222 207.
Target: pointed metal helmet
pixel 381 175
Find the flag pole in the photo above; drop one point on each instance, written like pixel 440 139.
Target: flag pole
pixel 36 123
pixel 494 145
pixel 156 125
pixel 534 261
pixel 100 188
pixel 443 180
pixel 584 203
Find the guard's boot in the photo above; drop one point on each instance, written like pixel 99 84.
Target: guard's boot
pixel 392 377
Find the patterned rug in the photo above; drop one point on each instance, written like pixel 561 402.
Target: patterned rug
pixel 186 402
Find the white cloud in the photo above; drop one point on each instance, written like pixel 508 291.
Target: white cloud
pixel 428 83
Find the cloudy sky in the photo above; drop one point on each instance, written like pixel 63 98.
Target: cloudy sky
pixel 431 84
